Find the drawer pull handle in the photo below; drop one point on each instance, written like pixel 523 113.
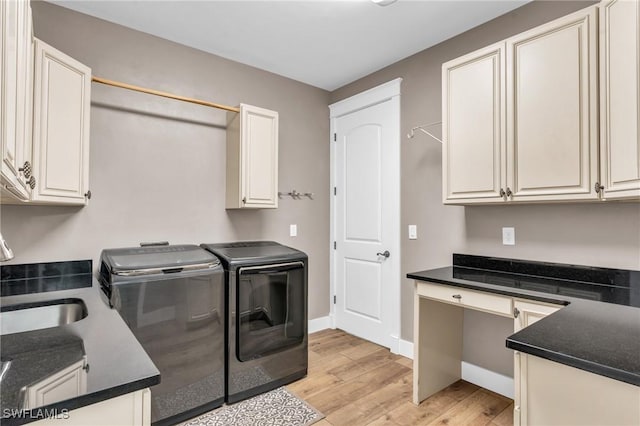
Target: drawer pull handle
pixel 457 296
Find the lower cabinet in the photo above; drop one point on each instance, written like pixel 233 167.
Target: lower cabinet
pixel 67 383
pixel 525 313
pixel 556 394
pixel 132 409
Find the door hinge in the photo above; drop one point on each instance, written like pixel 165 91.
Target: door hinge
pixel 516 312
pixel 334 299
pixel 335 191
pixel 335 245
pixel 335 137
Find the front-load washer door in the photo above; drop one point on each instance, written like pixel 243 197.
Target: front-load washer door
pixel 270 309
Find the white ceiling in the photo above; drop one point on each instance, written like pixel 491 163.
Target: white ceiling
pixel 323 43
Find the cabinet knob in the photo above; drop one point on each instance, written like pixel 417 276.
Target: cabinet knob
pixel 26 169
pixel 87 195
pixel 509 193
pixel 31 182
pixel 244 200
pixel 502 193
pixel 598 187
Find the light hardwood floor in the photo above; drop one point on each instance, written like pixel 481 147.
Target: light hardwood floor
pixel 354 382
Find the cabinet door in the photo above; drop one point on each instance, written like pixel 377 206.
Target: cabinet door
pixel 132 409
pixel 620 98
pixel 259 157
pixel 526 313
pixel 252 158
pixel 68 383
pixel 552 140
pixel 61 127
pixel 473 105
pixel 15 95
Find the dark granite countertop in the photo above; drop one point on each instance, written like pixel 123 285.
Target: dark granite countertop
pixel 117 362
pixel 597 331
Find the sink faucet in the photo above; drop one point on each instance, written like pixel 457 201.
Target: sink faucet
pixel 5 252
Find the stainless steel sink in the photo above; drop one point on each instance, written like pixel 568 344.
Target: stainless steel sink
pixel 36 316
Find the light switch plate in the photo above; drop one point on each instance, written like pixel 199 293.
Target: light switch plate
pixel 413 232
pixel 509 236
pixel 293 230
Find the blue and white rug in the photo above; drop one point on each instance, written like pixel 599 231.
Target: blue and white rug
pixel 276 408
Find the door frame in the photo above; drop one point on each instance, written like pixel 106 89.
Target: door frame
pixel 389 91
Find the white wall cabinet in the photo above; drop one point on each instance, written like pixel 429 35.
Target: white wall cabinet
pixel 539 111
pixel 132 409
pixel 252 158
pixel 16 69
pixel 62 100
pixel 554 394
pixel 620 98
pixel 65 384
pixel 473 107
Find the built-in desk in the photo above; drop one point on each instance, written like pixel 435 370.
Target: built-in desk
pixel 578 364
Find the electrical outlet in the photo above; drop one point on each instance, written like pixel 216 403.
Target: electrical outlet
pixel 509 236
pixel 413 232
pixel 293 230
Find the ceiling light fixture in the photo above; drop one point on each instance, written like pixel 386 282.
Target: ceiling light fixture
pixel 383 2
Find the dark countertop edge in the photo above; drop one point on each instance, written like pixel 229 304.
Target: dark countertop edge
pixel 84 400
pixel 581 364
pixel 492 288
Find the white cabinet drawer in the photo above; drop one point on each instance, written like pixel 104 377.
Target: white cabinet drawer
pixel 500 305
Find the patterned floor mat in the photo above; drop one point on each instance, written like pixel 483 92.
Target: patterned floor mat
pixel 276 408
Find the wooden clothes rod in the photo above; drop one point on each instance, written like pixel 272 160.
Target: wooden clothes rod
pixel 163 94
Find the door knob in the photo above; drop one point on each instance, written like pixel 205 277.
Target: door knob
pixel 385 253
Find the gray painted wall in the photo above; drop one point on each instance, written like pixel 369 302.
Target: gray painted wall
pixel 590 234
pixel 158 166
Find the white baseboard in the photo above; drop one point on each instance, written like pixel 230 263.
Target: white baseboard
pixel 319 324
pixel 488 379
pixel 405 348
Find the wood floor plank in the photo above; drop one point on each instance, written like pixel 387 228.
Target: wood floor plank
pixel 363 365
pixel 330 400
pixel 357 383
pixel 478 409
pixel 371 407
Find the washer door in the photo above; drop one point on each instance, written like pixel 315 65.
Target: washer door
pixel 270 309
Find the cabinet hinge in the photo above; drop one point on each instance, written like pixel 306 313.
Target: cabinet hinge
pixel 335 191
pixel 334 299
pixel 335 245
pixel 335 137
pixel 516 312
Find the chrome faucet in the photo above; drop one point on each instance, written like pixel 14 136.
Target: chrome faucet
pixel 5 252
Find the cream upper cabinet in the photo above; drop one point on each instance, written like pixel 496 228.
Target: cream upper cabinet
pixel 16 84
pixel 552 129
pixel 62 99
pixel 252 158
pixel 520 117
pixel 473 106
pixel 620 98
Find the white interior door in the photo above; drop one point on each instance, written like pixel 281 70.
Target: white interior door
pixel 366 222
